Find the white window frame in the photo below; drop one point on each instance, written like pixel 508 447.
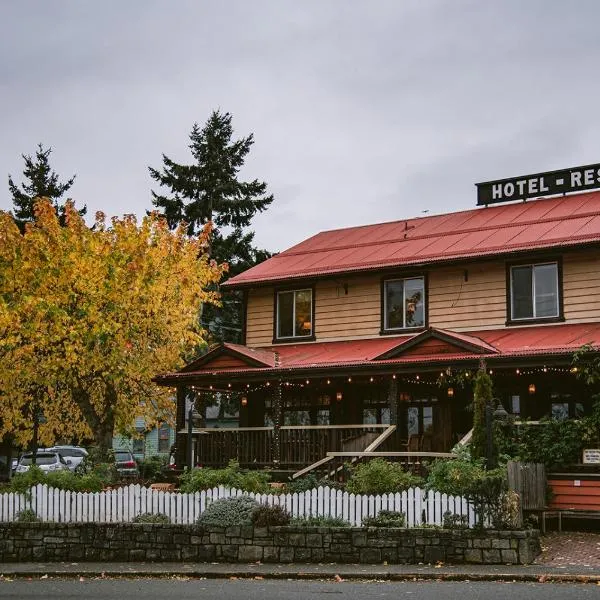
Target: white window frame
pixel 512 300
pixel 386 326
pixel 312 325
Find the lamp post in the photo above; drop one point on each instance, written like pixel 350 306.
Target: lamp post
pixel 492 414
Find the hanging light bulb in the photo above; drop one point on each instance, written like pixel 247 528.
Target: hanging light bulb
pixel 450 392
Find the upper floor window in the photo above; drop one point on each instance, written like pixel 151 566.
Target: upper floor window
pixel 534 291
pixel 404 303
pixel 295 314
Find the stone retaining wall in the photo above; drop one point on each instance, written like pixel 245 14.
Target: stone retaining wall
pixel 21 542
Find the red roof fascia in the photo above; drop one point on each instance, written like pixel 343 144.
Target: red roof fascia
pixel 482 232
pixel 550 340
pixel 254 357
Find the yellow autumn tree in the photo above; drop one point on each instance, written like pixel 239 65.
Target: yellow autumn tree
pixel 89 316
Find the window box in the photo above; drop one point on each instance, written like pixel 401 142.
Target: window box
pixel 534 292
pixel 294 315
pixel 403 304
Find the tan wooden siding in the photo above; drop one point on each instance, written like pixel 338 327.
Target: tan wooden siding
pixel 353 315
pixel 581 286
pixel 477 303
pixel 259 323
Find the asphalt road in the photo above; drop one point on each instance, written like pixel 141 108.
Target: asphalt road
pixel 153 589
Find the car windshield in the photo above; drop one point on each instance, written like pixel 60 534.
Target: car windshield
pixel 40 459
pixel 67 452
pixel 123 456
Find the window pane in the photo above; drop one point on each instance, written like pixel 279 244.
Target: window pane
pixel 394 294
pixel 323 416
pixel 303 312
pixel 546 290
pixel 414 292
pixel 370 416
pixel 521 290
pixel 412 420
pixel 285 314
pixel 560 411
pixel 296 417
pixel 385 416
pixel 427 418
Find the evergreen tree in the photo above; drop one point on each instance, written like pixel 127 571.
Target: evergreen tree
pixel 209 189
pixel 41 182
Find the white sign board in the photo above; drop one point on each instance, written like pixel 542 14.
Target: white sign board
pixel 591 456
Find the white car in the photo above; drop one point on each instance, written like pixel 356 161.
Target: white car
pixel 73 455
pixel 46 461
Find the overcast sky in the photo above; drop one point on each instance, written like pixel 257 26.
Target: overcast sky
pixel 362 111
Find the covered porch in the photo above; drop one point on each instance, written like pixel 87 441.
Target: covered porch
pixel 305 406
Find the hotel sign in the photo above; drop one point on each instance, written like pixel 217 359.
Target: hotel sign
pixel 551 183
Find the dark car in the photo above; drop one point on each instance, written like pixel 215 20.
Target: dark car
pixel 126 465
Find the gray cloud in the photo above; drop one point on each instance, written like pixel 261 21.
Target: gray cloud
pixel 362 112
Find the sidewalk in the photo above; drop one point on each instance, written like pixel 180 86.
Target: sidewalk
pixel 532 573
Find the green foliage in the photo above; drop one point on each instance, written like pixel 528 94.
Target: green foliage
pixel 151 518
pixel 319 521
pixel 486 489
pixel 309 482
pixel 40 181
pixel 386 518
pixel 231 476
pixel 482 397
pixel 28 515
pixel 586 361
pixel 151 468
pixel 453 521
pixel 267 516
pixel 62 480
pixel 229 511
pixel 378 476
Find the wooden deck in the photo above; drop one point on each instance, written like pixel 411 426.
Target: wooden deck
pixel 299 446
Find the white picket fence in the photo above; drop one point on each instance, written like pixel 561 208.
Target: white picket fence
pixel 123 504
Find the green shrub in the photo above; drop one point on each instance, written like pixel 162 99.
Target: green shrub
pixel 319 521
pixel 62 480
pixel 454 521
pixel 229 511
pixel 151 468
pixel 28 515
pixel 151 518
pixel 378 476
pixel 302 484
pixel 266 516
pixel 386 518
pixel 486 489
pixel 231 476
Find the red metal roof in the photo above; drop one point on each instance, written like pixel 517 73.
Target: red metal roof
pixel 508 228
pixel 503 343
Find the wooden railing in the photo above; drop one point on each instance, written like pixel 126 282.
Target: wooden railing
pixel 299 445
pixel 335 465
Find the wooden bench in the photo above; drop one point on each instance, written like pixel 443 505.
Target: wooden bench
pixel 571 513
pixel 163 487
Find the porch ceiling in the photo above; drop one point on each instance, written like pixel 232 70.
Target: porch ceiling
pixel 426 350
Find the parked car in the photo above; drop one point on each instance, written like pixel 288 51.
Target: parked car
pixel 73 455
pixel 125 464
pixel 46 461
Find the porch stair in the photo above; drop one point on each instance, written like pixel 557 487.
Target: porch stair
pixel 372 446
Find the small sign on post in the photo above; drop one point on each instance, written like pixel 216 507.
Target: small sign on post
pixel 551 183
pixel 591 456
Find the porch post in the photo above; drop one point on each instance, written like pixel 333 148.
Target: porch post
pixel 393 401
pixel 180 438
pixel 277 401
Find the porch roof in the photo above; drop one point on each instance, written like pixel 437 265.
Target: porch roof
pixel 482 232
pixel 433 346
